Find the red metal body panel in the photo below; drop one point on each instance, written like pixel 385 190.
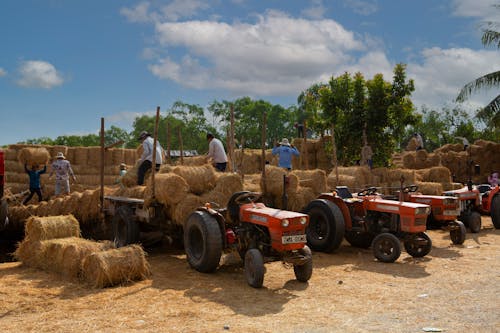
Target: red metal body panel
pixel 486 199
pixel 258 213
pixel 440 210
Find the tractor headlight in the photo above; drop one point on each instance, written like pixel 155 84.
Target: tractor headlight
pixel 423 210
pixel 303 220
pixel 285 223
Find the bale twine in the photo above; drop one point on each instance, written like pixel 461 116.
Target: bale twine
pixel 33 156
pixel 115 266
pixel 200 179
pixel 274 181
pixel 183 209
pixel 314 179
pixel 41 228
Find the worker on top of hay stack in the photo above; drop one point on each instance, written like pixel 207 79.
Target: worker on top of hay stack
pixel 285 151
pixel 419 140
pixel 146 160
pixel 35 187
pixel 217 153
pixel 62 168
pixel 366 153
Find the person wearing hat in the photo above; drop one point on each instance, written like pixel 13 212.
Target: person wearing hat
pixel 419 141
pixel 146 160
pixel 62 168
pixel 285 152
pixel 217 153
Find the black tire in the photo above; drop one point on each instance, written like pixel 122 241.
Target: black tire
pixel 304 272
pixel 125 228
pixel 457 235
pixel 202 242
pixel 326 225
pixel 474 222
pixel 495 211
pixel 254 268
pixel 359 239
pixel 386 247
pixel 4 211
pixel 418 250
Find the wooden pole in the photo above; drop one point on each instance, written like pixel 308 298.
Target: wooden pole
pixel 334 157
pixel 153 166
pixel 263 145
pixel 304 134
pixel 168 141
pixel 231 141
pixel 101 196
pixel 179 133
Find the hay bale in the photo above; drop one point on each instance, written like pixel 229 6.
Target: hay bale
pixel 274 181
pixel 228 183
pixel 81 156
pixel 430 188
pixel 200 179
pixel 33 156
pixel 115 266
pixel 408 159
pixel 180 212
pixel 344 180
pixel 314 179
pixel 298 200
pixel 438 174
pixel 29 253
pixel 170 188
pixel 194 160
pixel 50 227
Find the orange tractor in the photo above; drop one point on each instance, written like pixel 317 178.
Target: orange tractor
pixel 490 202
pixel 368 220
pixel 257 232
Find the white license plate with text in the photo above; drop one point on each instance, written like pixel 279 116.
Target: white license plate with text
pixel 291 239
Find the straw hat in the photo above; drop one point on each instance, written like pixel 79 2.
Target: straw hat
pixel 285 142
pixel 143 135
pixel 60 155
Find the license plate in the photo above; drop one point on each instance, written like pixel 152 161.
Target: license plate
pixel 291 239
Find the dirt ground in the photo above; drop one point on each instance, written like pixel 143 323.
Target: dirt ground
pixel 453 289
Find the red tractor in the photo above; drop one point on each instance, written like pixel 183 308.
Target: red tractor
pixel 258 233
pixel 469 199
pixel 368 220
pixel 444 212
pixel 490 202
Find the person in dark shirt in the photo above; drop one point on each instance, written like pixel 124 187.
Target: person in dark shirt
pixel 35 187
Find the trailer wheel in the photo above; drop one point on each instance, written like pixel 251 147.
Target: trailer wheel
pixel 457 234
pixel 474 222
pixel 418 245
pixel 254 268
pixel 303 272
pixel 386 247
pixel 125 228
pixel 326 225
pixel 359 239
pixel 495 211
pixel 202 242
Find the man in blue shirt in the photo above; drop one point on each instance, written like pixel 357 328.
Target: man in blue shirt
pixel 285 152
pixel 35 187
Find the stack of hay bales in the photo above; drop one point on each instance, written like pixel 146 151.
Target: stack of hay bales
pixel 356 177
pixel 420 159
pixel 54 244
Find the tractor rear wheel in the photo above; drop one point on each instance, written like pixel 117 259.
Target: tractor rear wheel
pixel 254 268
pixel 495 211
pixel 326 225
pixel 419 245
pixel 474 222
pixel 386 247
pixel 359 238
pixel 202 242
pixel 303 272
pixel 125 228
pixel 457 234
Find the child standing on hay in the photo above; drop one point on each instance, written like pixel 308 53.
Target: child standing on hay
pixel 217 153
pixel 285 151
pixel 62 168
pixel 146 160
pixel 35 187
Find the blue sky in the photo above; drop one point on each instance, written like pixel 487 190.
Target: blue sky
pixel 64 64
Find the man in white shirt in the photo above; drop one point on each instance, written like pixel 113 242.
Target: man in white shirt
pixel 146 160
pixel 217 153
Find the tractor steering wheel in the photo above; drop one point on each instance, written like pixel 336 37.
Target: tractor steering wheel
pixel 411 188
pixel 247 197
pixel 367 191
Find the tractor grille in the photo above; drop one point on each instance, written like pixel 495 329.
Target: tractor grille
pixel 420 221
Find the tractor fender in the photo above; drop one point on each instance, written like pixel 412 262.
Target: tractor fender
pixel 342 206
pixel 221 221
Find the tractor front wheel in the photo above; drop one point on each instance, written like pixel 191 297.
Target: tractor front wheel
pixel 386 247
pixel 202 242
pixel 326 225
pixel 474 222
pixel 303 272
pixel 125 228
pixel 254 268
pixel 418 245
pixel 458 232
pixel 495 211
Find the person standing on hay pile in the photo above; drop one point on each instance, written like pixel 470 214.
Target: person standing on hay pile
pixel 285 151
pixel 217 153
pixel 366 153
pixel 146 160
pixel 35 187
pixel 419 140
pixel 62 168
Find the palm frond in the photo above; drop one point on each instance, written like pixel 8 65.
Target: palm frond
pixel 491 37
pixel 487 81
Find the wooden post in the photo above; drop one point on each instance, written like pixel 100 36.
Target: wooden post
pixel 334 157
pixel 101 197
pixel 304 134
pixel 231 141
pixel 168 141
pixel 181 152
pixel 263 145
pixel 155 138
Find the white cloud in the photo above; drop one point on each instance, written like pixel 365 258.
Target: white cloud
pixel 277 54
pixel 362 7
pixel 139 13
pixel 3 72
pixel 182 8
pixel 316 11
pixel 145 11
pixel 482 9
pixel 443 72
pixel 39 74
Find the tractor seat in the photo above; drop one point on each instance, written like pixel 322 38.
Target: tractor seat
pixel 343 192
